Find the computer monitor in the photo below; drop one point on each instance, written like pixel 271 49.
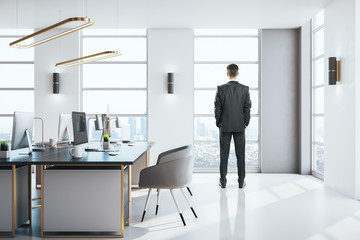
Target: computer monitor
pixel 98 122
pixel 106 125
pixel 118 122
pixel 22 131
pixel 79 128
pixel 65 131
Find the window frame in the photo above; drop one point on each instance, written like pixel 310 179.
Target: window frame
pixel 3 89
pixel 314 115
pixel 258 89
pixel 92 116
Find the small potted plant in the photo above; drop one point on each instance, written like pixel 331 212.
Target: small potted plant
pixel 106 143
pixel 4 150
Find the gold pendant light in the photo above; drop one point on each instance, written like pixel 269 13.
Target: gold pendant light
pixel 87 22
pixel 89 58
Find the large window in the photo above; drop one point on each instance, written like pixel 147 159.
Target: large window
pixel 117 86
pixel 16 79
pixel 213 51
pixel 318 94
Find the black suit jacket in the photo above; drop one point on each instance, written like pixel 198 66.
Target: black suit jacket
pixel 232 107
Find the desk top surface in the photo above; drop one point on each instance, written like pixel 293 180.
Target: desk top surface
pixel 126 155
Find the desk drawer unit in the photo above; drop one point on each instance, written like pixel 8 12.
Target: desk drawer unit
pixel 7 193
pixel 15 198
pixel 83 201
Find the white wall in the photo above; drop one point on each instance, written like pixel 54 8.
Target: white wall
pixel 170 116
pixel 357 95
pixel 340 100
pixel 48 105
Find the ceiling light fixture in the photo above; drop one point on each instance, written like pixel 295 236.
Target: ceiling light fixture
pixel 87 22
pixel 89 58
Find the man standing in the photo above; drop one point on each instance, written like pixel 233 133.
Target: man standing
pixel 232 114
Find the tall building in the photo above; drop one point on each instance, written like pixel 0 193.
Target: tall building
pixel 132 123
pixel 143 128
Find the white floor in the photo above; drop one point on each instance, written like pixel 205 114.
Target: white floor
pixel 271 207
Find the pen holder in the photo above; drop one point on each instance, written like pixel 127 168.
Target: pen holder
pixel 4 154
pixel 106 144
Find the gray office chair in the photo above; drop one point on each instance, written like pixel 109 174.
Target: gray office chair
pixel 173 174
pixel 169 155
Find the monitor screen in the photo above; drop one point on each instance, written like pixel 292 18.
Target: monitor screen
pixel 79 128
pixel 22 130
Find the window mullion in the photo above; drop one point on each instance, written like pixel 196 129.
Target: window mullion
pixel 317 158
pixel 205 131
pixel 132 119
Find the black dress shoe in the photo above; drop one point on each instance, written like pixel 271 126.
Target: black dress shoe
pixel 242 185
pixel 222 185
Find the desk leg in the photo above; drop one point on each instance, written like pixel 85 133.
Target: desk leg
pixel 129 196
pixel 42 200
pixel 130 181
pixel 13 198
pixel 30 195
pixel 122 200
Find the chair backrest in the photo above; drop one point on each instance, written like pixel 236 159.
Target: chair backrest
pixel 172 174
pixel 175 153
pixel 179 171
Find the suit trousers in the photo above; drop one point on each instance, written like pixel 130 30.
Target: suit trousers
pixel 225 140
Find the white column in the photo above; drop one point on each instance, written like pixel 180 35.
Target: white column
pixel 170 116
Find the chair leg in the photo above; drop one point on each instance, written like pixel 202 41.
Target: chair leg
pixel 146 204
pixel 182 218
pixel 188 202
pixel 189 190
pixel 157 201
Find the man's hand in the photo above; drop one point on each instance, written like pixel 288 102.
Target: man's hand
pixel 217 103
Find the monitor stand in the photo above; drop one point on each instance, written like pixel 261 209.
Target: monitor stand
pixel 66 138
pixel 68 135
pixel 29 143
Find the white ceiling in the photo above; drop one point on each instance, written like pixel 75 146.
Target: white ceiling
pixel 162 13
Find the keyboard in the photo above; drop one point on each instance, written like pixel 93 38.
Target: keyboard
pixel 91 149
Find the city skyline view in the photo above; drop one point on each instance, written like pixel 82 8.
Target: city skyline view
pixel 137 127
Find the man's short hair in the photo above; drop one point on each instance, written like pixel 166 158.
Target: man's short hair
pixel 232 70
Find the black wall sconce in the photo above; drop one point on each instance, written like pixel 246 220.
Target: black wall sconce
pixel 56 83
pixel 334 71
pixel 171 83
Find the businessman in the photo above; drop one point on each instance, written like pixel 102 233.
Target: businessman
pixel 232 114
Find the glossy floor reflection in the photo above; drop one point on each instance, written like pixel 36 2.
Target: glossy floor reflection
pixel 271 207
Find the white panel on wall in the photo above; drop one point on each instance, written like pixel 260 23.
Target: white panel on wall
pixel 170 116
pixel 280 101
